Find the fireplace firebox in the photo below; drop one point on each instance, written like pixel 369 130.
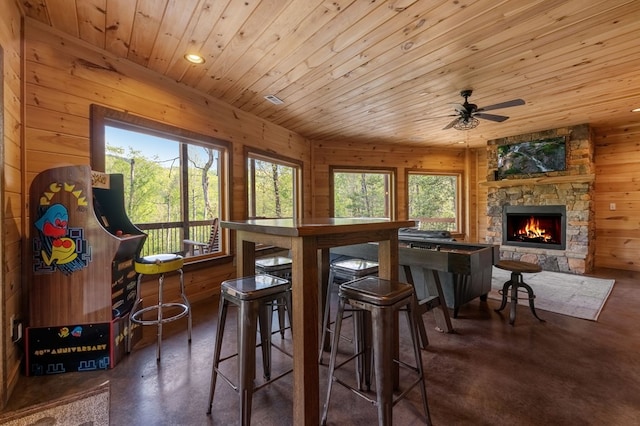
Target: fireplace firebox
pixel 534 226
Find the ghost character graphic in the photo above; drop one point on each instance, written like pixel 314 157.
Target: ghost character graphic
pixel 53 226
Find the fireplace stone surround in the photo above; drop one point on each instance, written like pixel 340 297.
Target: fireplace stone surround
pixel 572 188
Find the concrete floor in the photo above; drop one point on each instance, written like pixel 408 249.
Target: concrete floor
pixel 564 371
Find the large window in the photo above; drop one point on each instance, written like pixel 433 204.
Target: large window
pixel 273 186
pixel 434 200
pixel 362 192
pixel 174 181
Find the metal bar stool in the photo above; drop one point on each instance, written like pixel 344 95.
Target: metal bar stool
pixel 517 268
pixel 278 266
pixel 154 265
pixel 339 272
pixel 381 299
pixel 254 296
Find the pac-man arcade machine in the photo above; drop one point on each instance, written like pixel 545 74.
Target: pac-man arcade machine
pixel 82 282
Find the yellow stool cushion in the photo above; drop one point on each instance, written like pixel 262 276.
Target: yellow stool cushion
pixel 158 264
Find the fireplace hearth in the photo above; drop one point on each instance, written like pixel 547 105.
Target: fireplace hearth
pixel 534 226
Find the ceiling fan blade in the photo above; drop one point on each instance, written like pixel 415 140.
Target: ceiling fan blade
pixel 450 125
pixel 491 117
pixel 459 108
pixel 511 103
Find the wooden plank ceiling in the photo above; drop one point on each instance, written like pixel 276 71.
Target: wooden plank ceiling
pixel 382 71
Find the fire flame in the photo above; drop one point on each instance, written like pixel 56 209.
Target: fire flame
pixel 532 229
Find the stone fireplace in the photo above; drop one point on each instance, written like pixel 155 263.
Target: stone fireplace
pixel 535 226
pixel 561 203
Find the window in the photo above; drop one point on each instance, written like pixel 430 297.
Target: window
pixel 273 186
pixel 174 180
pixel 362 192
pixel 433 200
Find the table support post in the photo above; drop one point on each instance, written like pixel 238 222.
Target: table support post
pixel 306 404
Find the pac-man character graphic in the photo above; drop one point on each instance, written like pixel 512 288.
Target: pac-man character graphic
pixel 64 332
pixel 63 251
pixel 53 225
pixel 77 331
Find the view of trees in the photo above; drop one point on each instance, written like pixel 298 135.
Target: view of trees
pixel 158 178
pixel 271 192
pixel 361 194
pixel 155 187
pixel 432 201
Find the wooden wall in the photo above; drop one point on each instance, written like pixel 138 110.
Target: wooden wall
pixel 401 158
pixel 617 160
pixel 11 296
pixel 64 77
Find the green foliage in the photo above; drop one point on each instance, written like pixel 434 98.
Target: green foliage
pixel 274 191
pixel 149 188
pixel 358 194
pixel 432 201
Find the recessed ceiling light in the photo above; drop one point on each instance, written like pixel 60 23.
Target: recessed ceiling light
pixel 194 58
pixel 274 99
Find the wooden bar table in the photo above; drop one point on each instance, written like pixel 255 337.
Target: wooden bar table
pixel 304 237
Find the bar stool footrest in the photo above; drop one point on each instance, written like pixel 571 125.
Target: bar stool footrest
pixel 500 292
pixel 184 312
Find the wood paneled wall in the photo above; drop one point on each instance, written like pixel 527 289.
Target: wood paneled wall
pixel 401 158
pixel 617 156
pixel 11 292
pixel 64 77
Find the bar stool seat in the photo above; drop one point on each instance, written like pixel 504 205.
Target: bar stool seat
pixel 254 297
pixel 517 268
pixel 381 299
pixel 159 264
pixel 278 266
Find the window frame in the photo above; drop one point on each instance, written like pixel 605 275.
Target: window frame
pixel 393 193
pixel 102 116
pixel 459 174
pixel 282 160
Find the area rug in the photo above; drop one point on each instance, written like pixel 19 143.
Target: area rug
pixel 567 294
pixel 89 408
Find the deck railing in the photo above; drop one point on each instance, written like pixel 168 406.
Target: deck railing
pixel 167 237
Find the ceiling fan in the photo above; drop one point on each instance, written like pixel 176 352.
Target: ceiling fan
pixel 467 114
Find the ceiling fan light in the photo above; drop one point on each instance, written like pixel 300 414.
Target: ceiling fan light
pixel 466 123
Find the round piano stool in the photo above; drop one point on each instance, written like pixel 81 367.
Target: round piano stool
pixel 517 268
pixel 159 264
pixel 381 300
pixel 254 296
pixel 278 266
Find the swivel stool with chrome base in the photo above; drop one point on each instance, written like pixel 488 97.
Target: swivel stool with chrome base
pixel 159 264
